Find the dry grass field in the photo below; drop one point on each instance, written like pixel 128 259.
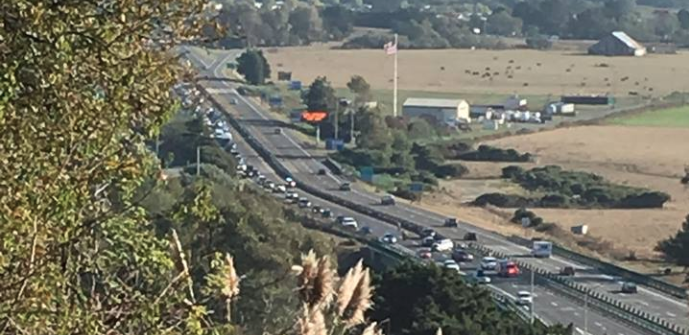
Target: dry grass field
pixel 652 157
pixel 527 72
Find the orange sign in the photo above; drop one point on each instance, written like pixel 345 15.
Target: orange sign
pixel 314 116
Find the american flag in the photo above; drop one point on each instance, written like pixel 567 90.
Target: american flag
pixel 390 48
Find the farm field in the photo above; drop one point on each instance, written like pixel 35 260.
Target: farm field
pixel 504 72
pixel 671 117
pixel 636 156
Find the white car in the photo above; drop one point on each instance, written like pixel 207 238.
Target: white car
pixel 524 298
pixel 281 189
pixel 389 238
pixel 450 264
pixel 489 263
pixel 270 185
pixel 349 222
pixel 443 245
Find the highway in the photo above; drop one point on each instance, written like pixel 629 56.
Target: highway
pixel 304 166
pixel 549 306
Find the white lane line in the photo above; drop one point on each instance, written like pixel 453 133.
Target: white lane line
pixel 672 315
pixel 410 209
pixel 598 324
pixel 553 303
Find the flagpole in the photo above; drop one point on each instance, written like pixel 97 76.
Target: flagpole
pixel 394 81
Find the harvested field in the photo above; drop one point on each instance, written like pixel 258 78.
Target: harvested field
pixel 527 72
pixel 637 156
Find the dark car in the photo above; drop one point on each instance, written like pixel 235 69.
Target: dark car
pixel 345 187
pixel 428 232
pixel 365 230
pixel 567 271
pixel 321 172
pixel 629 287
pixel 326 213
pixel 451 222
pixel 460 255
pixel 470 236
pixel 278 131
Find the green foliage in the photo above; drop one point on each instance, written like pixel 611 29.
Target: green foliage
pixel 418 299
pixel 539 43
pixel 360 88
pixel 320 96
pixel 217 215
pixel 567 189
pixel 493 154
pixel 676 248
pixel 253 66
pixel 180 139
pixel 84 84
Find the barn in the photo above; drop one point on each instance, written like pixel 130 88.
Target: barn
pixel 617 43
pixel 448 111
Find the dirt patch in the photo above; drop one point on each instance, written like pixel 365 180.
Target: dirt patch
pixel 500 72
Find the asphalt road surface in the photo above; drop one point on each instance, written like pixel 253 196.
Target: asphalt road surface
pixel 305 167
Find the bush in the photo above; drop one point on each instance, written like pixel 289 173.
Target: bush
pixel 502 200
pixel 580 189
pixel 450 171
pixel 539 43
pixel 407 194
pixel 425 177
pixel 492 154
pixel 512 172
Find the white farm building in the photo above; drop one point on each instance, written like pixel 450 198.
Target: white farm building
pixel 448 111
pixel 617 43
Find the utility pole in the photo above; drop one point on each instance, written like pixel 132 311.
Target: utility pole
pixel 318 133
pixel 394 80
pixel 533 300
pixel 337 121
pixel 586 314
pixel 351 131
pixel 198 160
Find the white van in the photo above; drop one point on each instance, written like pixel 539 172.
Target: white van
pixel 542 249
pixel 443 245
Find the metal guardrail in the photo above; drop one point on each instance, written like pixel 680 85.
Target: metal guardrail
pixel 597 299
pixel 629 275
pixel 614 307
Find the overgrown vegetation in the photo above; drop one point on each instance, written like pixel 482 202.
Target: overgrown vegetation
pixel 570 189
pixel 492 154
pixel 676 248
pixel 418 298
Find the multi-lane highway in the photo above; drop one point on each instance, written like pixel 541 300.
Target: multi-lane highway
pixel 304 166
pixel 549 306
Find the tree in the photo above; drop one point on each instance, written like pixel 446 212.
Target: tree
pixel 338 21
pixel 253 66
pixel 374 133
pixel 84 84
pixel 618 8
pixel 307 24
pixel 683 17
pixel 418 298
pixel 676 248
pixel 502 23
pixel 360 88
pixel 320 96
pixel 665 25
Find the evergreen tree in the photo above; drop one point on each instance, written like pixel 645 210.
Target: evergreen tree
pixel 254 67
pixel 320 96
pixel 676 248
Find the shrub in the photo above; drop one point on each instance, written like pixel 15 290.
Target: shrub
pixel 539 43
pixel 492 154
pixel 502 200
pixel 512 172
pixel 450 171
pixel 425 177
pixel 645 200
pixel 407 194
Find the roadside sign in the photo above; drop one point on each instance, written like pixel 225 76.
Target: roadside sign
pixel 367 173
pixel 526 222
pixel 416 187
